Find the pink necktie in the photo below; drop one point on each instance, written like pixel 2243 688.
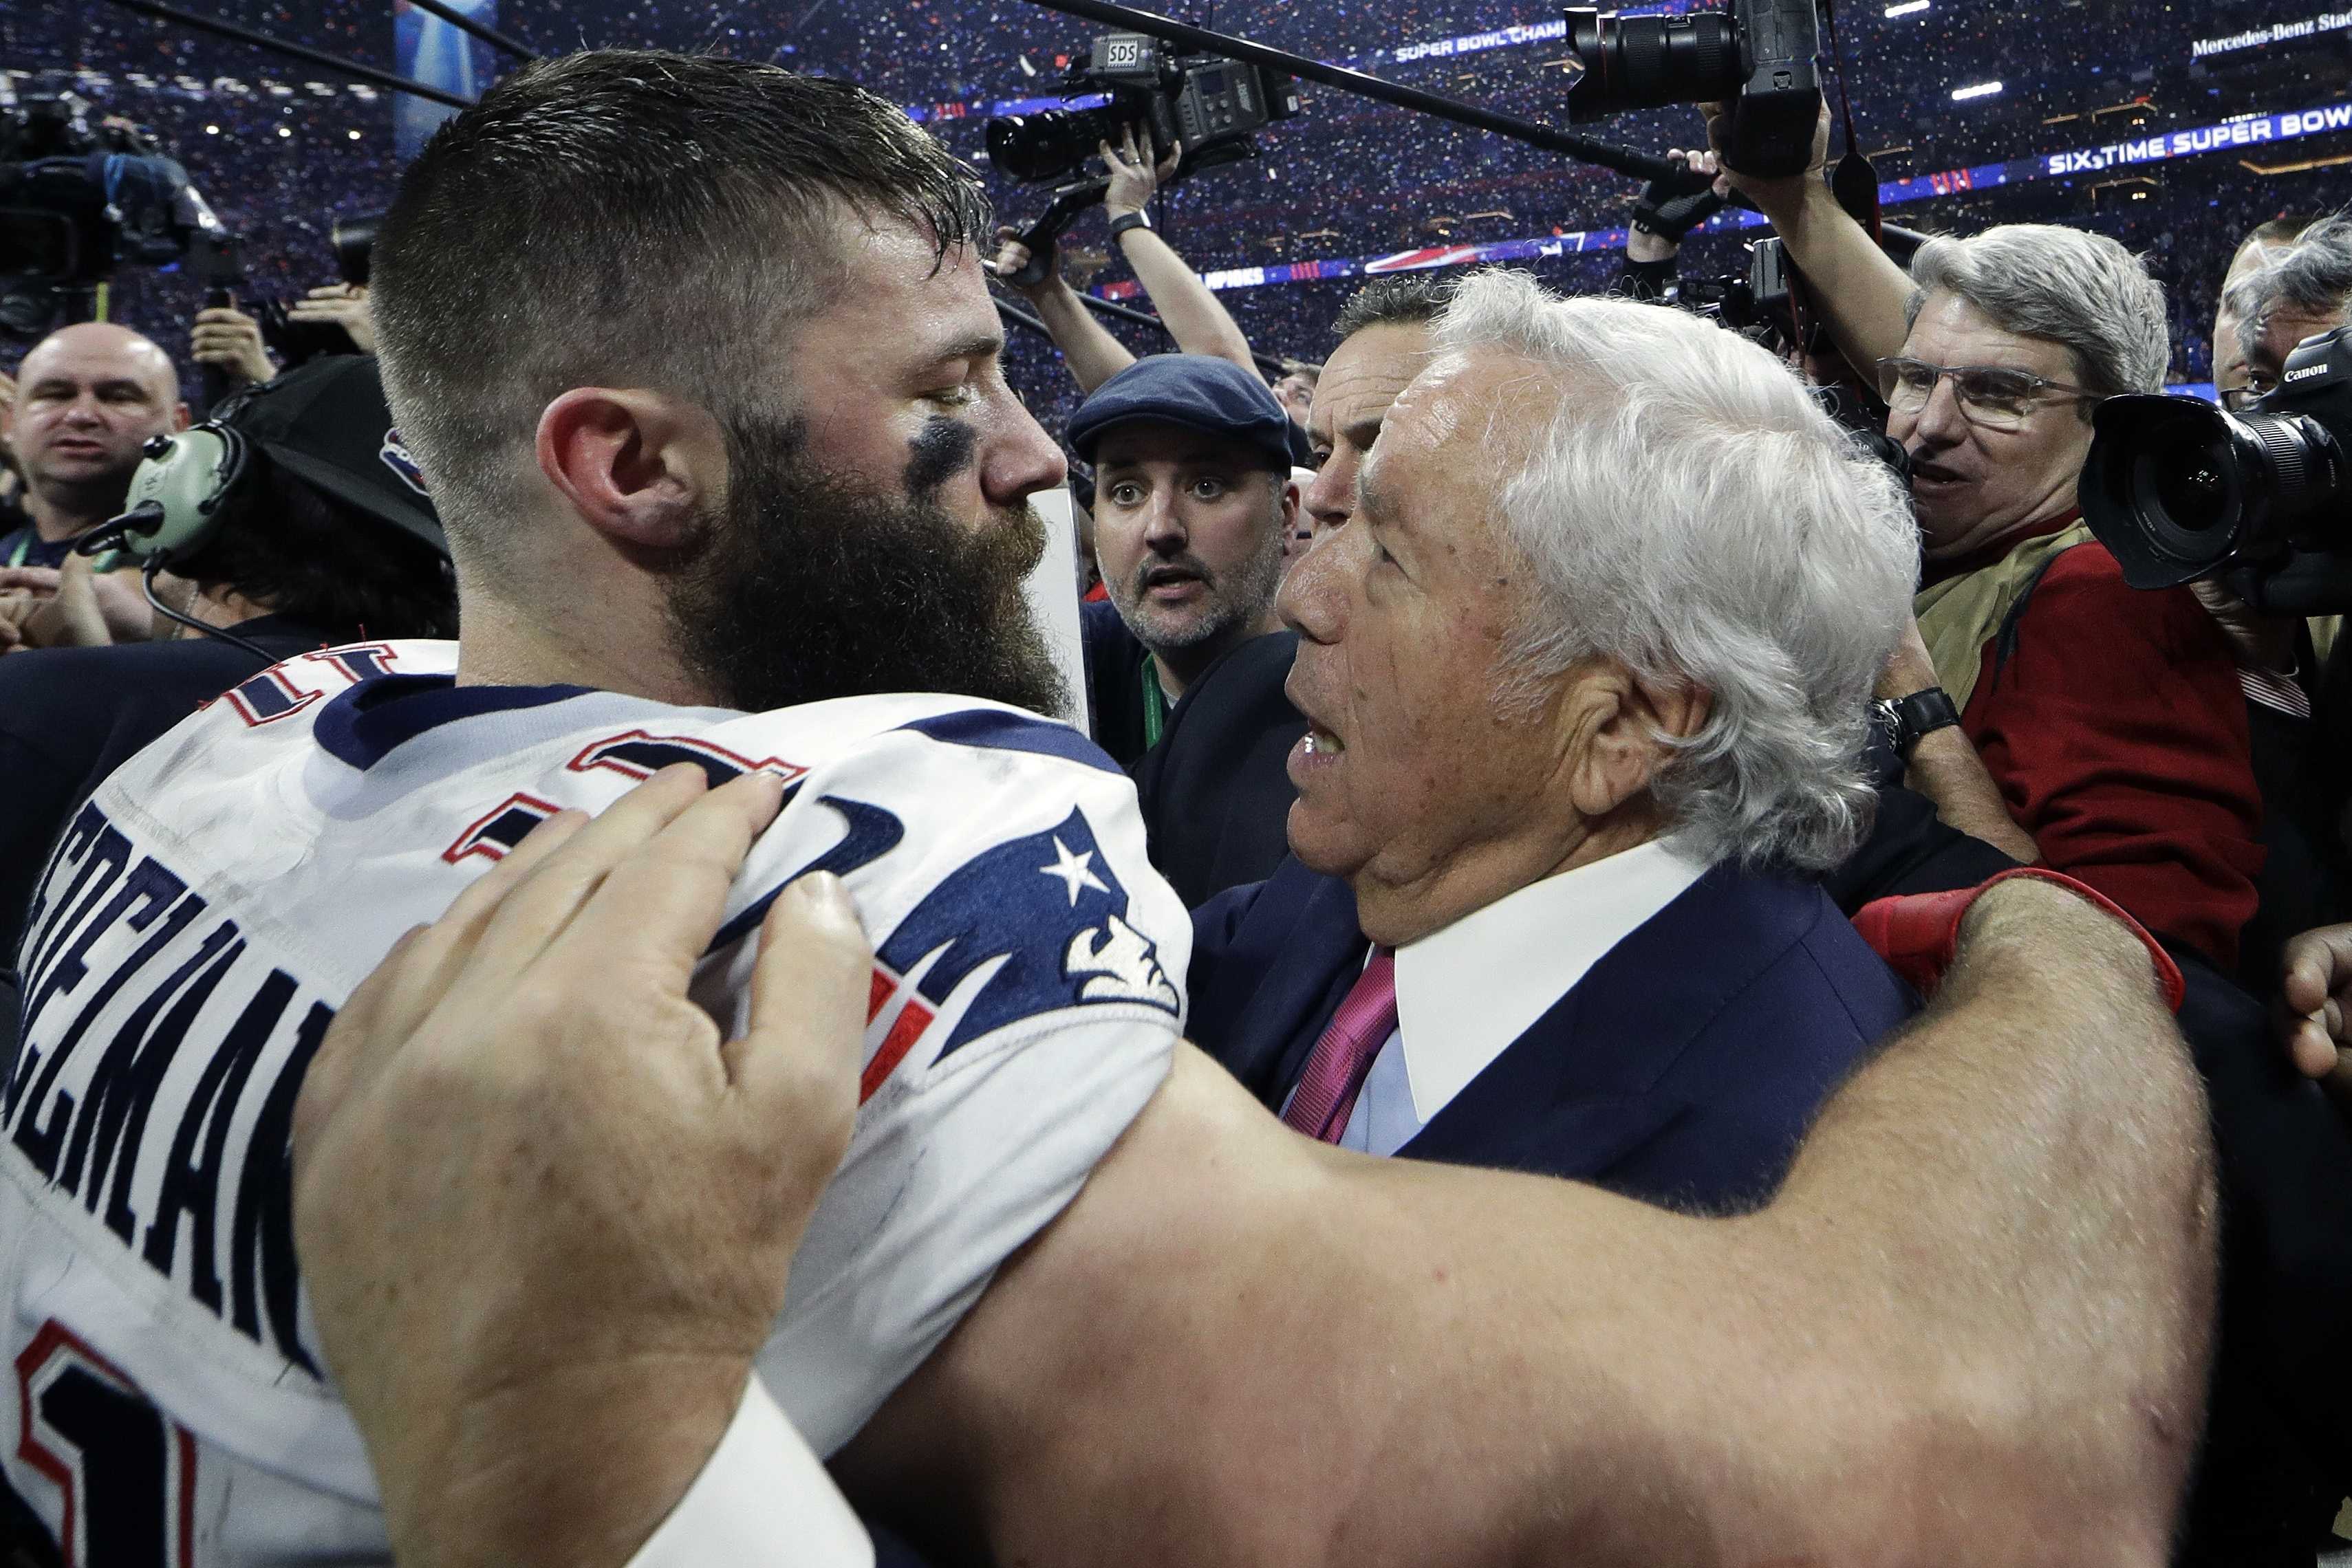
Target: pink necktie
pixel 1336 1069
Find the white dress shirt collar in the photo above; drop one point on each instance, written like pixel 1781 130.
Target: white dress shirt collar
pixel 1466 992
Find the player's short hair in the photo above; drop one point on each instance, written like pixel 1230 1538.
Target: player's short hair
pixel 1400 299
pixel 634 218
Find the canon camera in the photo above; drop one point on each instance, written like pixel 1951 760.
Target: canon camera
pixel 1758 58
pixel 2180 490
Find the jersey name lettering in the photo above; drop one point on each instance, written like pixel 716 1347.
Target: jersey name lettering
pixel 119 975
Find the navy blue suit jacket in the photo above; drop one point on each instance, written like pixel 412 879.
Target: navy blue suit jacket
pixel 1683 1069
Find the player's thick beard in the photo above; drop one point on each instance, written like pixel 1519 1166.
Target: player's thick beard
pixel 813 585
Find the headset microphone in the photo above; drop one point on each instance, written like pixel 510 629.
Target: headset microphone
pixel 176 506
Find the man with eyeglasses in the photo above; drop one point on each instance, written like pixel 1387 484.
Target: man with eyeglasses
pixel 2110 722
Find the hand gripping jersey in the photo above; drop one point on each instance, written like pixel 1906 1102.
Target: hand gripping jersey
pixel 220 896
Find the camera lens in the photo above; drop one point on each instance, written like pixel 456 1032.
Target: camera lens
pixel 1648 62
pixel 2178 489
pixel 2188 490
pixel 1046 146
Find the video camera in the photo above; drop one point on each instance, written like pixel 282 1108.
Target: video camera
pixel 2180 491
pixel 1201 106
pixel 1758 58
pixel 76 202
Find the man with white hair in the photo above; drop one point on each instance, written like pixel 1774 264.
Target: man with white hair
pixel 1587 676
pixel 2110 720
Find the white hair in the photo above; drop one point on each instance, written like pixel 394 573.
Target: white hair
pixel 2083 291
pixel 1689 511
pixel 2313 276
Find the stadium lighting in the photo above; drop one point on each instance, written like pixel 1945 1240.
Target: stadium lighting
pixel 1907 8
pixel 212 130
pixel 355 136
pixel 1981 90
pixel 285 131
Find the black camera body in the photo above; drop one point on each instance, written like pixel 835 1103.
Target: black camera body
pixel 77 202
pixel 1204 107
pixel 299 342
pixel 1758 58
pixel 2180 491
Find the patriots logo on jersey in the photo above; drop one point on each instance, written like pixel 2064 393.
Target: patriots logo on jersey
pixel 396 457
pixel 1033 925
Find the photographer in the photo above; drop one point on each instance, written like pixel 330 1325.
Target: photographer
pixel 1191 314
pixel 2110 720
pixel 2285 287
pixel 229 339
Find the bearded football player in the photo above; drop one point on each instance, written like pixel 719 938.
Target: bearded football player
pixel 699 361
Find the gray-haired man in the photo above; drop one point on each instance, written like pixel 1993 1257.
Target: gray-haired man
pixel 2110 721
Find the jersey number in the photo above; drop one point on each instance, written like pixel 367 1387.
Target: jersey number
pixel 126 1475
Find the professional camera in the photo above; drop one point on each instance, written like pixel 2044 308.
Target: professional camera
pixel 1755 298
pixel 1201 106
pixel 1758 58
pixel 2180 490
pixel 299 342
pixel 76 202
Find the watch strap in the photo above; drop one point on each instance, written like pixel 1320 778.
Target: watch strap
pixel 1920 715
pixel 1126 221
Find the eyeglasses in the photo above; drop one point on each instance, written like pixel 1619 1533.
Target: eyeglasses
pixel 2237 399
pixel 1993 396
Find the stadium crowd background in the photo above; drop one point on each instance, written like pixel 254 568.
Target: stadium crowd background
pixel 280 151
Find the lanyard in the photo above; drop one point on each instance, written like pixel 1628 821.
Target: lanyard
pixel 1155 703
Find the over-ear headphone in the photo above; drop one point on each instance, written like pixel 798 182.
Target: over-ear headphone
pixel 177 499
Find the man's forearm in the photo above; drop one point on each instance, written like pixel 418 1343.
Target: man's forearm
pixel 1946 768
pixel 1857 287
pixel 1186 304
pixel 1093 355
pixel 1979 1303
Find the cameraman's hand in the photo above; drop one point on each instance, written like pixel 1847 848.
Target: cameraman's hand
pixel 1667 210
pixel 1774 197
pixel 231 340
pixel 1011 255
pixel 2260 642
pixel 1133 178
pixel 343 305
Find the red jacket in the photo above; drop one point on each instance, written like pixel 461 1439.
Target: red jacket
pixel 2116 729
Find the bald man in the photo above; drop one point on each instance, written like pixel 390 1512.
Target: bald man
pixel 88 398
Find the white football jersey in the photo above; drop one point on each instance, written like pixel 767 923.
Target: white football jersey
pixel 222 895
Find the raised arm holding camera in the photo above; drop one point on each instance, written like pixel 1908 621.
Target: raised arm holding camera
pixel 1191 312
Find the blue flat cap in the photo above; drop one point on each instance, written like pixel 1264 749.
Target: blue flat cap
pixel 1214 396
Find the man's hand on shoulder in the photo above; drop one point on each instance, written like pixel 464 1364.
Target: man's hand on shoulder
pixel 545 1213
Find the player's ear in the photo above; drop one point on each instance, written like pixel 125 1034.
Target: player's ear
pixel 639 466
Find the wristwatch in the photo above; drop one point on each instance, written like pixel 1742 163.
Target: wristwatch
pixel 1126 221
pixel 1912 718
